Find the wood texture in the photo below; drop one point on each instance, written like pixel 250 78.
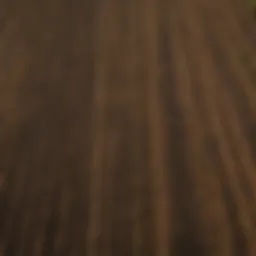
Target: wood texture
pixel 127 128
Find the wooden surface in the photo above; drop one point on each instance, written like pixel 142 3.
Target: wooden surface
pixel 127 128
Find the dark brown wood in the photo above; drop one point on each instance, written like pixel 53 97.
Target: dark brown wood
pixel 127 128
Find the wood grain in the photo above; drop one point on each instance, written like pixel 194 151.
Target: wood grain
pixel 127 128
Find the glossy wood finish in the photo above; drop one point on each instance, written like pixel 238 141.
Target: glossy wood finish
pixel 127 128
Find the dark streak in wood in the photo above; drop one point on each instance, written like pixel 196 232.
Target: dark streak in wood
pixel 127 128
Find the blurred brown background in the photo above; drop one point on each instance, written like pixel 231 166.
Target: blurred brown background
pixel 127 128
